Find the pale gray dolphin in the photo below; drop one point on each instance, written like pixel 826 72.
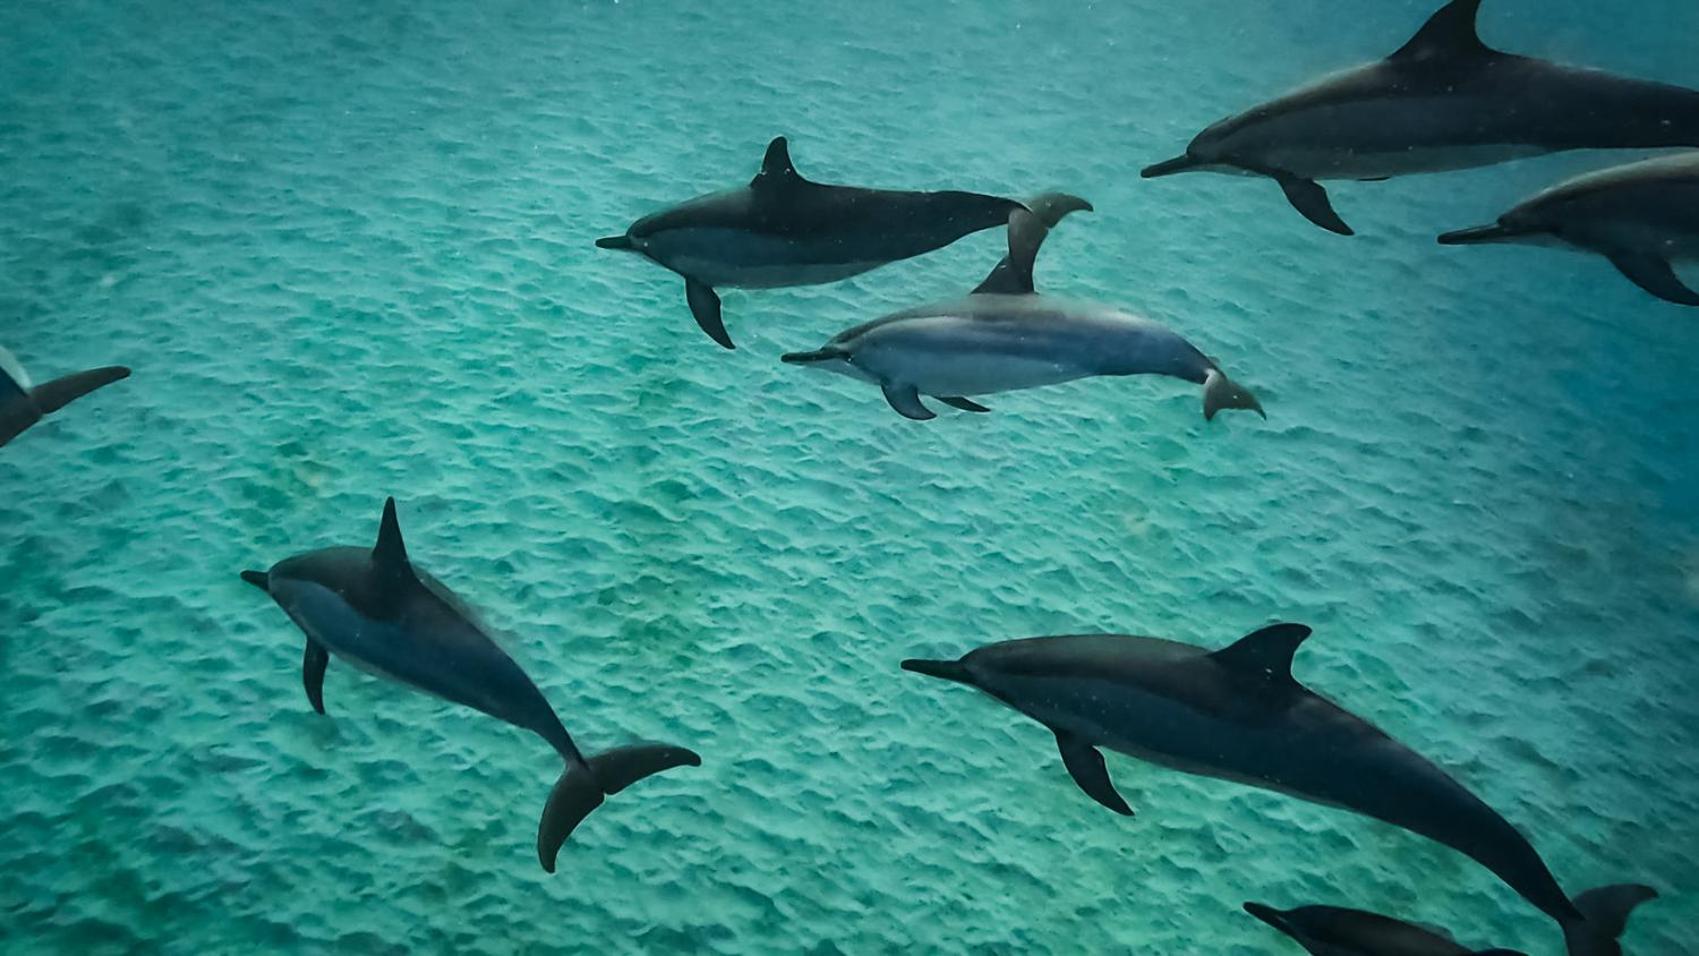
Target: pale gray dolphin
pixel 1238 714
pixel 22 405
pixel 1004 337
pixel 783 230
pixel 1335 931
pixel 1642 217
pixel 376 610
pixel 1444 101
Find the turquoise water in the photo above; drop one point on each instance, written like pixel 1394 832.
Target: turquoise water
pixel 348 251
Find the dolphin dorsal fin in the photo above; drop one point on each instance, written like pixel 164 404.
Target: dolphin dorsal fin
pixel 390 553
pixel 1013 275
pixel 776 168
pixel 1267 651
pixel 1449 33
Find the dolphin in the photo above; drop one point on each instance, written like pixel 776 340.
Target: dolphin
pixel 1335 931
pixel 782 230
pixel 378 611
pixel 1641 217
pixel 1443 101
pixel 1238 714
pixel 22 405
pixel 1004 336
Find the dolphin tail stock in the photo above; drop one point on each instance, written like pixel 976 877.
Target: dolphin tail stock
pixel 615 242
pixel 586 783
pixel 51 396
pixel 1221 392
pixel 943 670
pixel 1605 912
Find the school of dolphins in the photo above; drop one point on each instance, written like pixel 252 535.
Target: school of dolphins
pixel 1443 101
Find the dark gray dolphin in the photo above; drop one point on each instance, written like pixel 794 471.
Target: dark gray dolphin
pixel 22 405
pixel 1004 336
pixel 1444 101
pixel 1238 714
pixel 1335 931
pixel 783 230
pixel 1642 217
pixel 377 611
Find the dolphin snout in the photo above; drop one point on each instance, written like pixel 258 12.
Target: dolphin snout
pixel 1267 914
pixel 810 358
pixel 1496 232
pixel 258 579
pixel 1169 167
pixel 616 242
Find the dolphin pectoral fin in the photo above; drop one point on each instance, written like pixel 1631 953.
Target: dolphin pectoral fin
pixel 1085 764
pixel 905 399
pixel 586 784
pixel 1309 198
pixel 1656 276
pixel 51 396
pixel 705 307
pixel 312 673
pixel 965 404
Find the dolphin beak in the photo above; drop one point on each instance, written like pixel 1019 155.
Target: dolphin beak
pixel 1178 164
pixel 943 670
pixel 615 242
pixel 1478 235
pixel 258 579
pixel 810 358
pixel 1267 914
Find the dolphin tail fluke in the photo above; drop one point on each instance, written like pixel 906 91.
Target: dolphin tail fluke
pixel 1605 911
pixel 1221 392
pixel 585 784
pixel 54 395
pixel 615 242
pixel 943 670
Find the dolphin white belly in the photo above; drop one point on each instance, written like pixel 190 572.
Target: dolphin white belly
pixel 738 258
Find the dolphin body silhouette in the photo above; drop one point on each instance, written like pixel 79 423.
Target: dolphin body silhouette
pixel 1642 217
pixel 784 230
pixel 1443 101
pixel 1238 714
pixel 1005 336
pixel 376 610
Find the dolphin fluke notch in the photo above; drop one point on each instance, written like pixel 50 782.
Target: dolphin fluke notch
pixel 1450 32
pixel 1606 911
pixel 1221 392
pixel 584 786
pixel 51 396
